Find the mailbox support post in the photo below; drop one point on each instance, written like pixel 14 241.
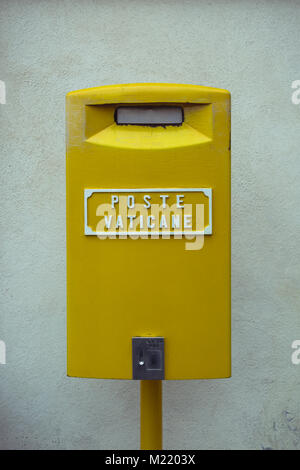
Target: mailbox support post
pixel 151 414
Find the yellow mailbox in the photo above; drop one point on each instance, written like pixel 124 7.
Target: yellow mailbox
pixel 148 232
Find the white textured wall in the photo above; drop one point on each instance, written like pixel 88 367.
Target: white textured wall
pixel 249 47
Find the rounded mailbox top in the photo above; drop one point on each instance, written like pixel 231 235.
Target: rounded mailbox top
pixel 150 93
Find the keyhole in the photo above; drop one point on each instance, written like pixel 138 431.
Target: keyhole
pixel 141 358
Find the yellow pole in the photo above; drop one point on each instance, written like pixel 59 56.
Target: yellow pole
pixel 151 414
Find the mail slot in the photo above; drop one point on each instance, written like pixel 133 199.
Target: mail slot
pixel 148 232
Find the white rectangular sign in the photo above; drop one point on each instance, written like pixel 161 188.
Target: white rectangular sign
pixel 148 211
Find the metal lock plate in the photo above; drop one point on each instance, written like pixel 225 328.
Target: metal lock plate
pixel 148 358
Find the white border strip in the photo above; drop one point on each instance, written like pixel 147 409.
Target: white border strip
pixel 207 191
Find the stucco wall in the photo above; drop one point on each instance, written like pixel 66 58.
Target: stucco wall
pixel 250 48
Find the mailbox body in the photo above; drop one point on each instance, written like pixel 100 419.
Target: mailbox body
pixel 120 287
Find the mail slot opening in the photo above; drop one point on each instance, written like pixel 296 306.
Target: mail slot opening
pixel 149 115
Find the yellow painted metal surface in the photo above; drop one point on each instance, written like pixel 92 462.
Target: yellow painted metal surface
pixel 151 415
pixel 119 287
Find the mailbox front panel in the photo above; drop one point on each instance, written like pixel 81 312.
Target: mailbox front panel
pixel 135 192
